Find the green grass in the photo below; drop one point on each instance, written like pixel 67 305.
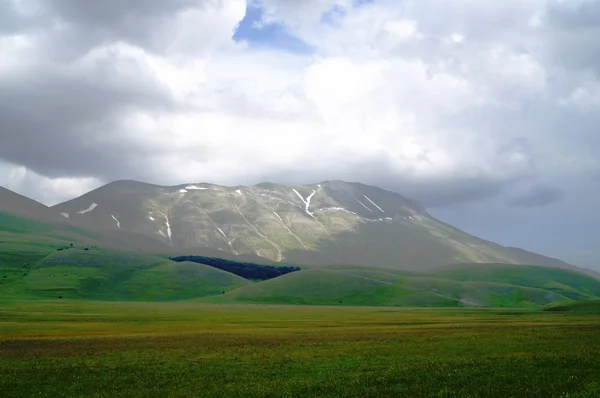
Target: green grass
pixel 25 231
pixel 364 286
pixel 585 307
pixel 113 275
pixel 568 283
pixel 93 349
pixel 24 242
pixel 118 275
pixel 31 267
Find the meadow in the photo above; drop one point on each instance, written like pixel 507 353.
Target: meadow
pixel 101 349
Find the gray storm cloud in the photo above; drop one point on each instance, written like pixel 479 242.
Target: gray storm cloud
pixel 452 104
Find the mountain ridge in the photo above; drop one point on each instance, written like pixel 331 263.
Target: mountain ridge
pixel 20 205
pixel 329 222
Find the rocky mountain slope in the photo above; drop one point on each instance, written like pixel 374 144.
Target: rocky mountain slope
pixel 332 222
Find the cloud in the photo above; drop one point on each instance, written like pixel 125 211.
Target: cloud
pixel 49 191
pixel 538 196
pixel 467 103
pixel 59 120
pixel 570 30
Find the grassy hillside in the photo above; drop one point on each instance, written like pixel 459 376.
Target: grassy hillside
pixel 362 286
pixel 15 230
pixel 24 242
pixel 579 307
pixel 38 261
pixel 103 274
pixel 97 273
pixel 571 284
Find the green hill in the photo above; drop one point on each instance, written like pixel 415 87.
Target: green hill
pixel 97 273
pixel 47 259
pixel 103 274
pixel 579 307
pixel 363 286
pixel 43 259
pixel 24 241
pixel 568 283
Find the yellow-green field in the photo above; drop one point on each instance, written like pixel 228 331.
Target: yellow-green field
pixel 63 348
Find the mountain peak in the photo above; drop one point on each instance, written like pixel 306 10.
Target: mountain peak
pixel 323 223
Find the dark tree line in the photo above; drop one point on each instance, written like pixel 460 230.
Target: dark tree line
pixel 245 270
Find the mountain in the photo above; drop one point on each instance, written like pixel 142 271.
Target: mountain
pixel 29 226
pixel 12 203
pixel 333 222
pixel 112 244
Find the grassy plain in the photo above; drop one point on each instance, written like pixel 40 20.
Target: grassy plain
pixel 99 349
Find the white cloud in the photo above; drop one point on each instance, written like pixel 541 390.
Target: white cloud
pixel 402 29
pixel 14 48
pixel 49 191
pixel 391 81
pixel 583 98
pixel 451 102
pixel 217 19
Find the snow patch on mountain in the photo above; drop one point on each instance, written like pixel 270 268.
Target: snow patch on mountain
pixel 183 191
pixel 65 215
pixel 223 233
pixel 168 225
pixel 325 209
pixel 289 230
pixel 306 201
pixel 373 203
pixel 217 227
pixel 117 220
pixel 92 207
pixel 195 187
pixel 373 220
pixel 279 255
pixel 364 205
pixel 228 241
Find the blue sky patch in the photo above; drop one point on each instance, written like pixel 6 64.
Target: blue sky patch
pixel 273 35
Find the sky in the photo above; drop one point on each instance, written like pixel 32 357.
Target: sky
pixel 485 111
